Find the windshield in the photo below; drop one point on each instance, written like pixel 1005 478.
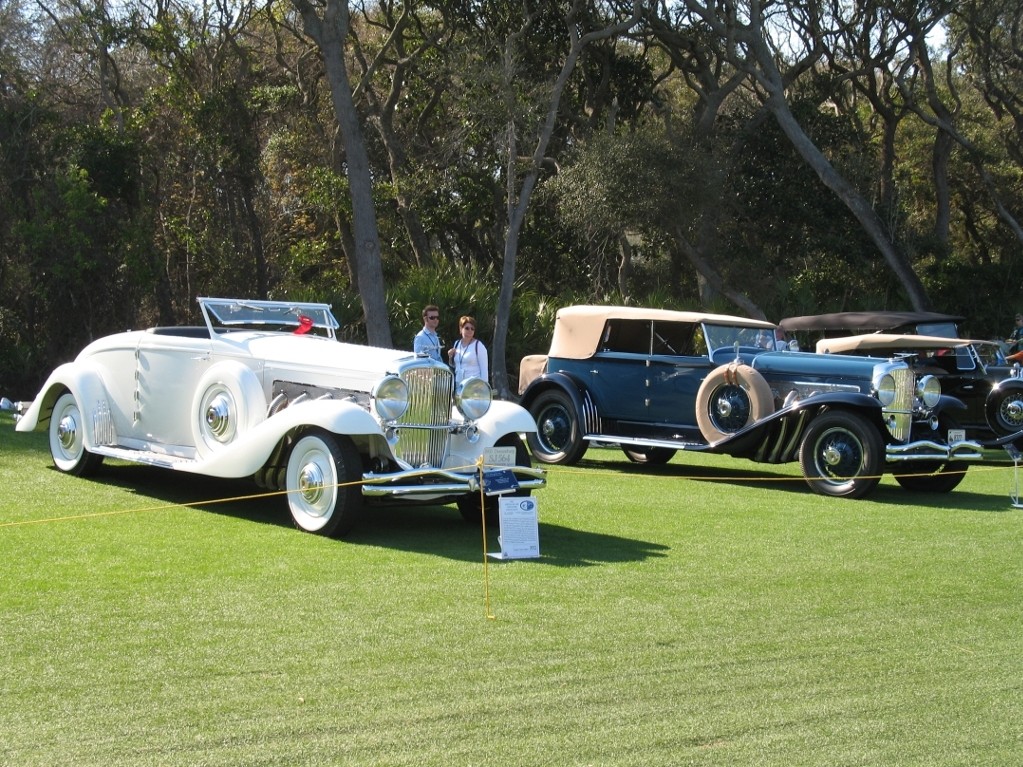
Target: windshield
pixel 273 316
pixel 940 329
pixel 727 336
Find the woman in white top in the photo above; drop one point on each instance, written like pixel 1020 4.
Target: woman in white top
pixel 469 355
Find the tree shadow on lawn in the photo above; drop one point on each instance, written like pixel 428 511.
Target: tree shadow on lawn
pixel 766 477
pixel 420 528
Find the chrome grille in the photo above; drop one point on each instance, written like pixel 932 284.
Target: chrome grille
pixel 899 415
pixel 424 426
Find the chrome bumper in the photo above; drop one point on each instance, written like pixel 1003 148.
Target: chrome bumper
pixel 440 482
pixel 928 450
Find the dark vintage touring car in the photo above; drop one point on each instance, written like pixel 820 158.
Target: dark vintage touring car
pixel 988 387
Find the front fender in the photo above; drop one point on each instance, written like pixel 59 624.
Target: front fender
pixel 853 400
pixel 502 419
pixel 775 438
pixel 251 450
pixel 947 402
pixel 505 418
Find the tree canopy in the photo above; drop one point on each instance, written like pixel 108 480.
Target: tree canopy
pixel 765 159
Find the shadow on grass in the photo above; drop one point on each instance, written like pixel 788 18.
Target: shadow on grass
pixel 239 498
pixel 441 530
pixel 419 528
pixel 767 477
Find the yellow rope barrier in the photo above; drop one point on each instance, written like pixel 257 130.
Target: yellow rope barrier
pixel 185 504
pixel 478 466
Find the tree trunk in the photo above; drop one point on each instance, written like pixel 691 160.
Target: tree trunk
pixel 329 34
pixel 711 282
pixel 517 204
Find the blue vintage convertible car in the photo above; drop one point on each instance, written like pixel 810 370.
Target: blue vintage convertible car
pixel 657 381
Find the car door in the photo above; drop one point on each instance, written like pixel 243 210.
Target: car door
pixel 168 371
pixel 618 372
pixel 678 366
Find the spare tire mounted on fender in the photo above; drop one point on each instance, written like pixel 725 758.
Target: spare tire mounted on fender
pixel 228 402
pixel 730 398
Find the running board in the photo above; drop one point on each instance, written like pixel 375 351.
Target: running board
pixel 610 440
pixel 144 456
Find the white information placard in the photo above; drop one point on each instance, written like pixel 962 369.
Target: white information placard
pixel 520 529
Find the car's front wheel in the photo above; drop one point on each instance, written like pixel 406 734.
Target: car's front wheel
pixel 557 438
pixel 322 481
pixel 931 476
pixel 67 439
pixel 841 455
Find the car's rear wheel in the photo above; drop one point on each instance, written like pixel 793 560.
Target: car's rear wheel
pixel 322 482
pixel 841 455
pixel 653 456
pixel 931 476
pixel 557 438
pixel 469 505
pixel 67 439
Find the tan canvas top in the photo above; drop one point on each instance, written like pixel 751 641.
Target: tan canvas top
pixel 577 329
pixel 887 341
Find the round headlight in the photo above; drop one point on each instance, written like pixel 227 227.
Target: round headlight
pixel 928 389
pixel 886 390
pixel 473 398
pixel 390 398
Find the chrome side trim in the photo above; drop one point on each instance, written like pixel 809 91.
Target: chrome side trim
pixel 591 418
pixel 609 440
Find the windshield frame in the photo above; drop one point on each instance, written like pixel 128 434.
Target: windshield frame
pixel 224 315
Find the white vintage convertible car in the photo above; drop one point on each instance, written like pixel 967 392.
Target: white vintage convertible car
pixel 265 389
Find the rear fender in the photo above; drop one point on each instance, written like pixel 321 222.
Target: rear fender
pixel 84 380
pixel 559 381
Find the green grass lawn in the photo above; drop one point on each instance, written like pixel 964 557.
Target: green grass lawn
pixel 708 612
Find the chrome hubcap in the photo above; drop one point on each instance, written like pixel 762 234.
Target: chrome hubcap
pixel 67 432
pixel 1013 411
pixel 310 483
pixel 218 416
pixel 832 455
